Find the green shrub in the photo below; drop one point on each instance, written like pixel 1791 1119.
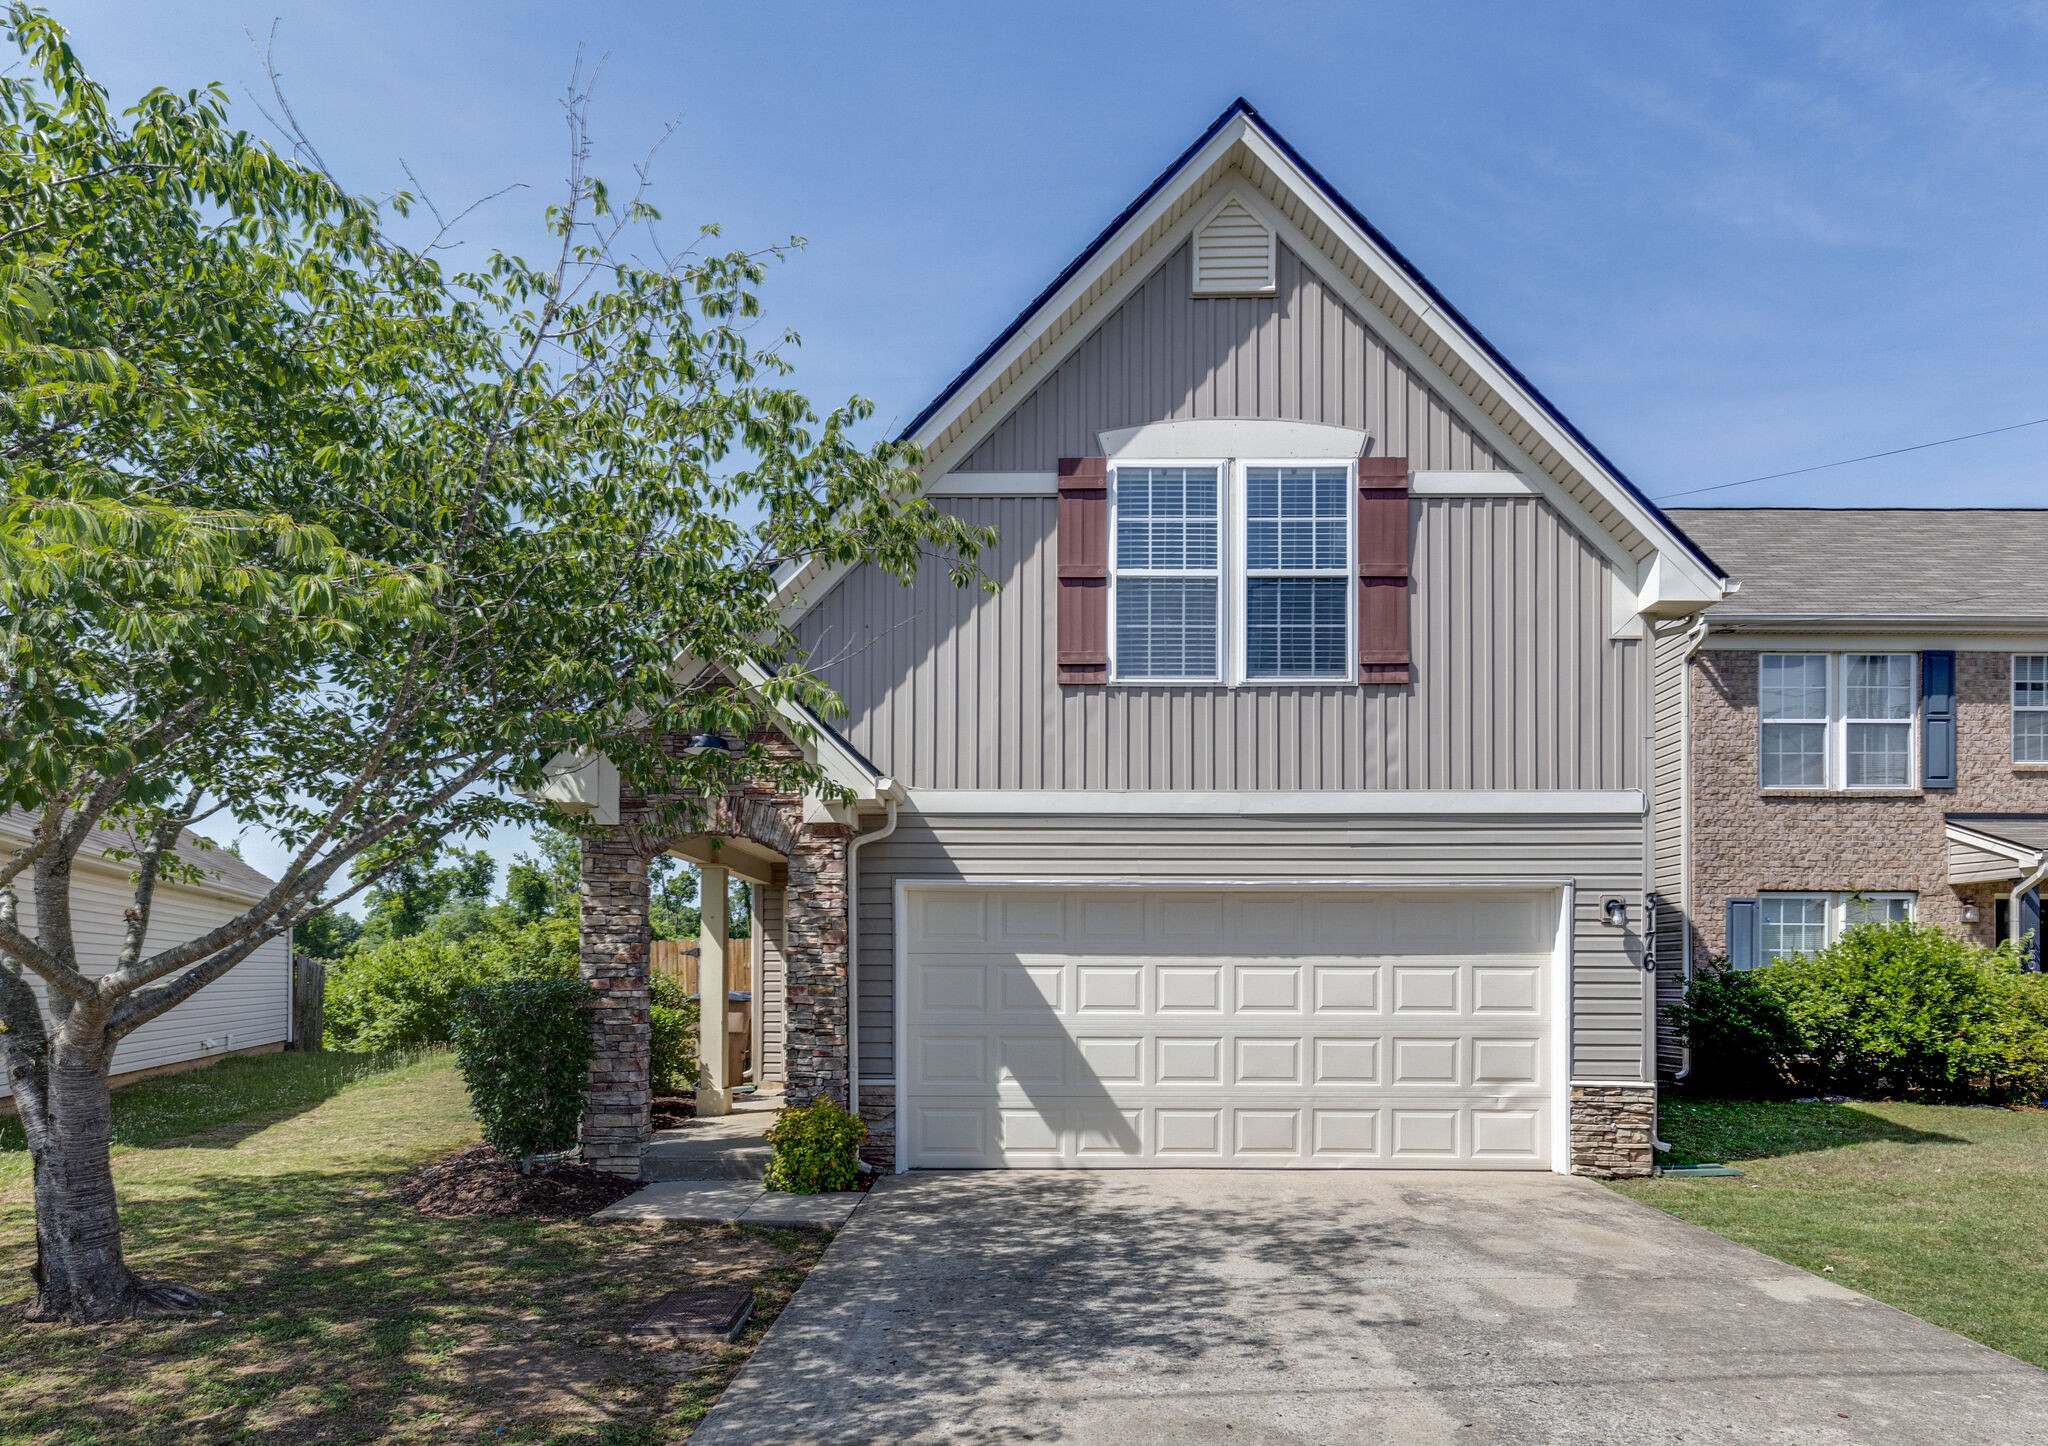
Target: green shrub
pixel 672 1065
pixel 814 1149
pixel 1738 1034
pixel 524 1047
pixel 403 993
pixel 1898 1008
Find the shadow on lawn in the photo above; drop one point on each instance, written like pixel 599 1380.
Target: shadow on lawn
pixel 348 1314
pixel 1731 1131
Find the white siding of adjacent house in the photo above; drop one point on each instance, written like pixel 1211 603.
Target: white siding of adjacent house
pixel 247 1008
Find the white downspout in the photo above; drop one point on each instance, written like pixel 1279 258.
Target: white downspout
pixel 889 793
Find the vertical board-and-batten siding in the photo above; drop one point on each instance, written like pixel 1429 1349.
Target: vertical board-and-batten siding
pixel 1298 355
pixel 1668 762
pixel 1517 683
pixel 770 977
pixel 248 1007
pixel 1602 854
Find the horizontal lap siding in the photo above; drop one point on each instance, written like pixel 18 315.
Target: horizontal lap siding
pixel 247 1007
pixel 1667 837
pixel 1603 855
pixel 1299 355
pixel 1517 684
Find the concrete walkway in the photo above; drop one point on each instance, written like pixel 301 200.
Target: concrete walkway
pixel 733 1202
pixel 1127 1308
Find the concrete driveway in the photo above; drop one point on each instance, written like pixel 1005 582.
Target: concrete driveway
pixel 1126 1308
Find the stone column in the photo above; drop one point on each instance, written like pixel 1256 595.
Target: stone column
pixel 714 1090
pixel 814 988
pixel 613 958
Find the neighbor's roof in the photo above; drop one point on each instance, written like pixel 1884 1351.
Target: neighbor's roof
pixel 1922 563
pixel 2028 830
pixel 222 870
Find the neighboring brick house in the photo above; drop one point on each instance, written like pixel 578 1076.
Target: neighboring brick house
pixel 1860 731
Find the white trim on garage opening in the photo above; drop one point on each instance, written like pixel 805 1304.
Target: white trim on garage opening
pixel 1562 960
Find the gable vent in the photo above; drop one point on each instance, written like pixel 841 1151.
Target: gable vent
pixel 1234 253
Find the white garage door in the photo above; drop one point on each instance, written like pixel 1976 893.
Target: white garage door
pixel 1118 1027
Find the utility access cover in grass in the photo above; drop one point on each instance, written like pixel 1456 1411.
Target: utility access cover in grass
pixel 686 1314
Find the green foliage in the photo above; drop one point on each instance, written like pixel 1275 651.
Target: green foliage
pixel 327 936
pixel 524 1047
pixel 414 893
pixel 1888 1009
pixel 404 993
pixel 672 1052
pixel 546 884
pixel 1737 1032
pixel 815 1147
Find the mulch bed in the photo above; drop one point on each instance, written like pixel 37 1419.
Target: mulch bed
pixel 672 1110
pixel 476 1181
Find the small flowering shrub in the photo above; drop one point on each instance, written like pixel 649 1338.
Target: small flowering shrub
pixel 814 1149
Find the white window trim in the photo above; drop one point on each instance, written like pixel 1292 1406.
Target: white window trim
pixel 1222 570
pixel 1241 577
pixel 1836 732
pixel 1837 902
pixel 2013 698
pixel 1232 573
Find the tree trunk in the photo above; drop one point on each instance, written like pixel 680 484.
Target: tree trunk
pixel 81 1275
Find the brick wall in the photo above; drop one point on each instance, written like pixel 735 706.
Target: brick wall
pixel 1745 841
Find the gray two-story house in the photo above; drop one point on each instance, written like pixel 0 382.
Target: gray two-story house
pixel 1288 805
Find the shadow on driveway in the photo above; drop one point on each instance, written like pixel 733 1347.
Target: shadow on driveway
pixel 1134 1307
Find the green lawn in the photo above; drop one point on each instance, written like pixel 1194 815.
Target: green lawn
pixel 349 1316
pixel 1941 1210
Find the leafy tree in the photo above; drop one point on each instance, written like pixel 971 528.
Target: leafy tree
pixel 327 935
pixel 413 893
pixel 545 885
pixel 310 525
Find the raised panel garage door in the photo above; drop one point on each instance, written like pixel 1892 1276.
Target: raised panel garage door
pixel 1246 1027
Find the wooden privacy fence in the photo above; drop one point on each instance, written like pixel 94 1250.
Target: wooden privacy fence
pixel 309 1001
pixel 677 958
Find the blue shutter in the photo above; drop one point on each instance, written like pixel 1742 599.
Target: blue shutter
pixel 1937 720
pixel 1742 934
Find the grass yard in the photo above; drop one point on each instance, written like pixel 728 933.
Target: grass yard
pixel 350 1316
pixel 1941 1210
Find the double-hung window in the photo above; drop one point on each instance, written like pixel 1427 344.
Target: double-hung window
pixel 1168 574
pixel 1297 583
pixel 1233 572
pixel 2030 708
pixel 1793 926
pixel 1837 720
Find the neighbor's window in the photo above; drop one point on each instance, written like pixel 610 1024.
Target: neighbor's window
pixel 2030 708
pixel 1793 926
pixel 1167 577
pixel 1297 588
pixel 1836 720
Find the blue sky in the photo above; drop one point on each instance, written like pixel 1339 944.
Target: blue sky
pixel 1726 240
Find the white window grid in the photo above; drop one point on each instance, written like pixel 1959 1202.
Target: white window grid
pixel 1232 581
pixel 2030 708
pixel 1865 742
pixel 1795 925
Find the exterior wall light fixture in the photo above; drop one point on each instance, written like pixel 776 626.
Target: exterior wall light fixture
pixel 701 744
pixel 1616 912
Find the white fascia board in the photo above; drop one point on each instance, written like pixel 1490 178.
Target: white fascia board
pixel 1687 578
pixel 2020 854
pixel 937 802
pixel 1106 256
pixel 1902 636
pixel 821 746
pixel 581 784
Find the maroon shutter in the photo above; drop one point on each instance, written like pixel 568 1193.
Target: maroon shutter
pixel 1083 629
pixel 1383 570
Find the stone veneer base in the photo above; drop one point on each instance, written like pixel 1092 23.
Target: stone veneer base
pixel 1613 1130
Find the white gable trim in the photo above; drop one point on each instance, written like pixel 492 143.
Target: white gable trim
pixel 1206 438
pixel 1664 577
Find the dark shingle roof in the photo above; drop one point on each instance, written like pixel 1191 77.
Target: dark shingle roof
pixel 1877 562
pixel 221 869
pixel 2028 830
